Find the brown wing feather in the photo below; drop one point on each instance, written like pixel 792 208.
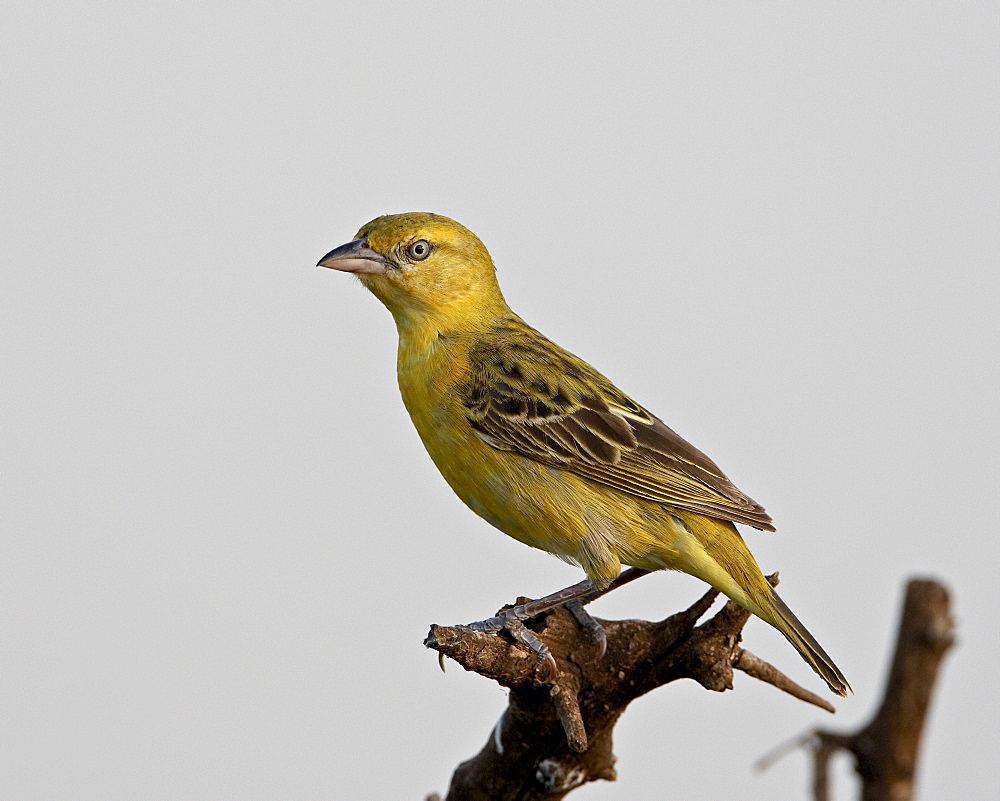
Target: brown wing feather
pixel 529 396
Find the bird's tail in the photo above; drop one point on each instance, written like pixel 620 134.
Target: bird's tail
pixel 774 611
pixel 727 564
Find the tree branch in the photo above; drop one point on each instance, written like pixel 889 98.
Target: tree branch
pixel 556 733
pixel 886 750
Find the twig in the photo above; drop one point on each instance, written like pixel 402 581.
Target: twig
pixel 766 672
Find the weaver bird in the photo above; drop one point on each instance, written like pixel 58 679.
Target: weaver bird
pixel 543 446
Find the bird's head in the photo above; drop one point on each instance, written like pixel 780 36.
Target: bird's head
pixel 424 267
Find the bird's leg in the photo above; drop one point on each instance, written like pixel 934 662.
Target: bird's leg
pixel 533 608
pixel 574 598
pixel 623 578
pixel 586 621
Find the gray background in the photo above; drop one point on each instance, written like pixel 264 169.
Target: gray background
pixel 222 541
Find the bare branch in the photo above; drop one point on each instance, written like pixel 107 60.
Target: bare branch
pixel 824 745
pixel 886 750
pixel 556 733
pixel 768 673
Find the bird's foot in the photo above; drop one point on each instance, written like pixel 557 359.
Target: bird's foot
pixel 512 621
pixel 573 598
pixel 589 624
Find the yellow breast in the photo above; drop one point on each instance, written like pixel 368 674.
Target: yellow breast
pixel 525 499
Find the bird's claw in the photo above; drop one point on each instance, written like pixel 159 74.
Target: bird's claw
pixel 589 624
pixel 527 638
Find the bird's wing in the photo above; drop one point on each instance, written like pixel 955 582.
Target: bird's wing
pixel 527 395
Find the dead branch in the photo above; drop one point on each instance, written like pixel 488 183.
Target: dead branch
pixel 556 733
pixel 886 750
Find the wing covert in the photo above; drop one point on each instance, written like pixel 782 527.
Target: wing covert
pixel 531 397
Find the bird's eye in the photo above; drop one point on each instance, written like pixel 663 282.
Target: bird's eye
pixel 419 250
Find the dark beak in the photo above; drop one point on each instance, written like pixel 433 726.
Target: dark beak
pixel 356 257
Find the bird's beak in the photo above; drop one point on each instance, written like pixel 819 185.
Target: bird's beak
pixel 355 257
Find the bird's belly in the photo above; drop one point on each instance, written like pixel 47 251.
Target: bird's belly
pixel 551 509
pixel 527 500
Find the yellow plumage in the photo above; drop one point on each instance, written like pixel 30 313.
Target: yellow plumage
pixel 540 444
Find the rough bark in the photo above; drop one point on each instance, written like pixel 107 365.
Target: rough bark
pixel 556 733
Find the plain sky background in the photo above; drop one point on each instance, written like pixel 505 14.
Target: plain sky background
pixel 774 224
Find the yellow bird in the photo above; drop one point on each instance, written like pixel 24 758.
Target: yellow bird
pixel 539 443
